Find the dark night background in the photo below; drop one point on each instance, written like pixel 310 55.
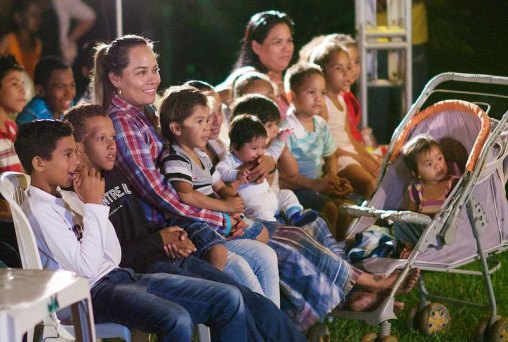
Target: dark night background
pixel 199 39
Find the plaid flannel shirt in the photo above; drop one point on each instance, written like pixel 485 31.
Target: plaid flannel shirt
pixel 138 147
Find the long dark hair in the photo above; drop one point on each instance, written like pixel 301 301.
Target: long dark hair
pixel 257 29
pixel 113 58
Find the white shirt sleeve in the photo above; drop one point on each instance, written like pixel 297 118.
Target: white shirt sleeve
pixel 227 168
pixel 55 227
pixel 275 148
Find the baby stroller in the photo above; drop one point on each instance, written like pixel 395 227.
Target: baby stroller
pixel 473 131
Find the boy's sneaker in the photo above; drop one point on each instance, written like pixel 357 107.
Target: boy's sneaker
pixel 303 218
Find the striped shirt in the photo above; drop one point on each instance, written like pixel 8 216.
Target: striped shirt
pixel 430 206
pixel 9 160
pixel 309 148
pixel 177 166
pixel 138 147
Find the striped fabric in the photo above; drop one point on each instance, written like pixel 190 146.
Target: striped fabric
pixel 309 148
pixel 9 160
pixel 138 147
pixel 314 276
pixel 178 167
pixel 429 206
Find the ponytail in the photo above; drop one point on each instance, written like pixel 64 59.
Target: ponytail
pixel 103 89
pixel 112 58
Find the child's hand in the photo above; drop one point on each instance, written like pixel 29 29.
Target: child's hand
pixel 342 187
pixel 234 204
pixel 284 134
pixel 172 234
pixel 237 226
pixel 176 243
pixel 89 185
pixel 243 176
pixel 323 185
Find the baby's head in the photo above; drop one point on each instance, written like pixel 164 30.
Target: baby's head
pixel 305 85
pixel 263 108
pixel 424 157
pixel 184 114
pixel 247 137
pixel 253 82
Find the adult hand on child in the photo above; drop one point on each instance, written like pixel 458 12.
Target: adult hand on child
pixel 264 165
pixel 89 185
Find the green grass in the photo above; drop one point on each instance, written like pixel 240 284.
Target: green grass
pixel 464 319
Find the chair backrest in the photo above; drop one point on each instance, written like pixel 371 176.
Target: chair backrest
pixel 13 186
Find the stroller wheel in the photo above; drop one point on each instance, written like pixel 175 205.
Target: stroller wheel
pixel 389 339
pixel 499 331
pixel 369 337
pixel 480 333
pixel 434 318
pixel 412 317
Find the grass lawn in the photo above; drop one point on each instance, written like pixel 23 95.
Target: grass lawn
pixel 464 319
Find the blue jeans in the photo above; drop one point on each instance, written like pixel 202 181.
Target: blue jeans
pixel 169 305
pixel 202 236
pixel 264 321
pixel 262 267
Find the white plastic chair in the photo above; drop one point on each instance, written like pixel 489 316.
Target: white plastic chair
pixel 12 187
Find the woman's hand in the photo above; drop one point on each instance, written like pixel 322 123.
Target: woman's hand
pixel 264 165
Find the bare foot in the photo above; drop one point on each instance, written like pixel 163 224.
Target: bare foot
pixel 367 301
pixel 379 284
pixel 409 282
pixel 363 301
pixel 406 251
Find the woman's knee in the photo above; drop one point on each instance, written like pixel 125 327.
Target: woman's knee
pixel 240 270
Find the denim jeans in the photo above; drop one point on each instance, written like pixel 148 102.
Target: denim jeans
pixel 262 262
pixel 169 305
pixel 202 236
pixel 264 321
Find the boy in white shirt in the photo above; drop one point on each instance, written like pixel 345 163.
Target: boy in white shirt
pixel 73 233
